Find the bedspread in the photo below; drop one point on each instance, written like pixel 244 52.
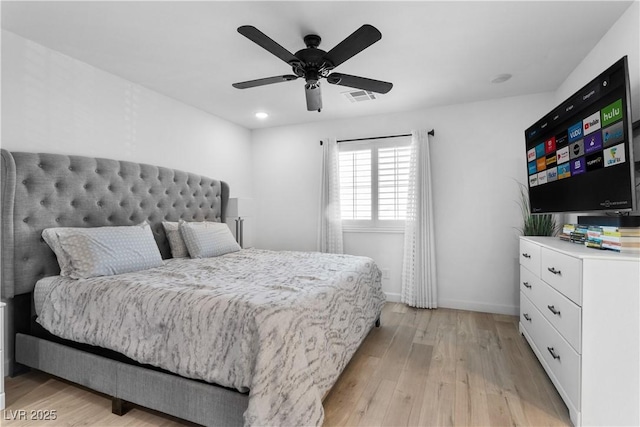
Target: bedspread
pixel 279 325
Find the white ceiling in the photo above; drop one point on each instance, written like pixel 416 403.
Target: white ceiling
pixel 435 53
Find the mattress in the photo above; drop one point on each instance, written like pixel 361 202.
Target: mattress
pixel 279 325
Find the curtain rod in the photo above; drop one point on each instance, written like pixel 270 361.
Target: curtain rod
pixel 432 132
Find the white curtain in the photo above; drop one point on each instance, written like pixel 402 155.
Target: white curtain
pixel 419 263
pixel 330 223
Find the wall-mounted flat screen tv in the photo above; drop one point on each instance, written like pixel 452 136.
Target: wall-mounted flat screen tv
pixel 580 155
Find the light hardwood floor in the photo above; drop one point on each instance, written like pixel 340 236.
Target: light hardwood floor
pixel 420 368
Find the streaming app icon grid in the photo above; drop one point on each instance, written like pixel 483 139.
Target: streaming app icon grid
pixel 563 156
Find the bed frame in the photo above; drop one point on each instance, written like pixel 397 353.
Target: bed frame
pixel 51 190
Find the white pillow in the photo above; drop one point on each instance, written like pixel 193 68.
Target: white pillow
pixel 103 251
pixel 208 239
pixel 176 242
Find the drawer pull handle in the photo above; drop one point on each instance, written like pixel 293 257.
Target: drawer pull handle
pixel 526 255
pixel 554 271
pixel 553 310
pixel 526 285
pixel 526 316
pixel 553 353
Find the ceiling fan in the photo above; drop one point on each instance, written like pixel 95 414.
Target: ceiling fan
pixel 312 63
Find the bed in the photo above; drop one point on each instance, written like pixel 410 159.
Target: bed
pixel 250 337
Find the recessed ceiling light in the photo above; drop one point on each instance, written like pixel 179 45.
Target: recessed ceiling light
pixel 501 78
pixel 261 115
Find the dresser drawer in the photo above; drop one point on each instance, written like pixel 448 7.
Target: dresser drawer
pixel 563 362
pixel 528 313
pixel 563 314
pixel 563 272
pixel 530 284
pixel 530 256
pixel 562 359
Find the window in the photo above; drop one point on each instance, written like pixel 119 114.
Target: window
pixel 374 181
pixel 355 184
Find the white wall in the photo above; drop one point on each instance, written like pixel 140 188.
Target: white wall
pixel 478 153
pixel 53 103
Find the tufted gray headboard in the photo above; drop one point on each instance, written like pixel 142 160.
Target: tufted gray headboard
pixel 51 190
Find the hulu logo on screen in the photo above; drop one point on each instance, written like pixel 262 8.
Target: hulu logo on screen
pixel 612 112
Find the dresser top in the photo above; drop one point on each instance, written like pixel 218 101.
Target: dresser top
pixel 580 250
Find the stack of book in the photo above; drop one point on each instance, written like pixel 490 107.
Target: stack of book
pixel 567 229
pixel 574 233
pixel 619 239
pixel 595 238
pixel 622 239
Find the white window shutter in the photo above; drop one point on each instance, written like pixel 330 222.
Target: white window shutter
pixel 393 182
pixel 355 184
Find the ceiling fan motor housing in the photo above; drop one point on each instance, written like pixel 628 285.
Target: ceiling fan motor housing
pixel 313 64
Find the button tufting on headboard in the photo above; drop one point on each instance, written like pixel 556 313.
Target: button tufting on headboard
pixel 73 191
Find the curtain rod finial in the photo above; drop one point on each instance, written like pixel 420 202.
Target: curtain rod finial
pixel 432 132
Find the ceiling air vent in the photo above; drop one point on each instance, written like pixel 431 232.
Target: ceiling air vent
pixel 359 95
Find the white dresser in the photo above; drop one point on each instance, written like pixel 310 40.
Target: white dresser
pixel 580 312
pixel 2 356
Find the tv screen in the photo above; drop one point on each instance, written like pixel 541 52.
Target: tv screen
pixel 580 155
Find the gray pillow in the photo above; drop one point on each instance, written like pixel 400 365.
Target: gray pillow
pixel 103 251
pixel 176 242
pixel 208 239
pixel 50 236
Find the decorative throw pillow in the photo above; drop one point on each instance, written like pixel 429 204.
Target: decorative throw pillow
pixel 208 239
pixel 103 251
pixel 176 242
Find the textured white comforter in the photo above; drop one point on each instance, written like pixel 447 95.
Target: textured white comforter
pixel 280 325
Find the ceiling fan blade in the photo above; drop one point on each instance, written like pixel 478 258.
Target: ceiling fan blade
pixel 314 97
pixel 363 83
pixel 261 39
pixel 358 41
pixel 265 81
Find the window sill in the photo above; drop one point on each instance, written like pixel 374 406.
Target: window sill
pixel 395 230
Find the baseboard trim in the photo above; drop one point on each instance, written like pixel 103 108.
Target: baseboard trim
pixel 392 297
pixel 466 305
pixel 482 307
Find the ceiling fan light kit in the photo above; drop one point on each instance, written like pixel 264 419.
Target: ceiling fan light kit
pixel 314 64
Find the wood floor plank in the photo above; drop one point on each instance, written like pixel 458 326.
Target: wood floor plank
pixel 439 367
pixel 537 404
pixel 404 406
pixel 349 388
pixel 377 406
pixel 395 358
pixel 378 340
pixel 439 396
pixel 498 408
pixel 424 319
pixel 471 400
pixel 504 376
pixel 437 407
